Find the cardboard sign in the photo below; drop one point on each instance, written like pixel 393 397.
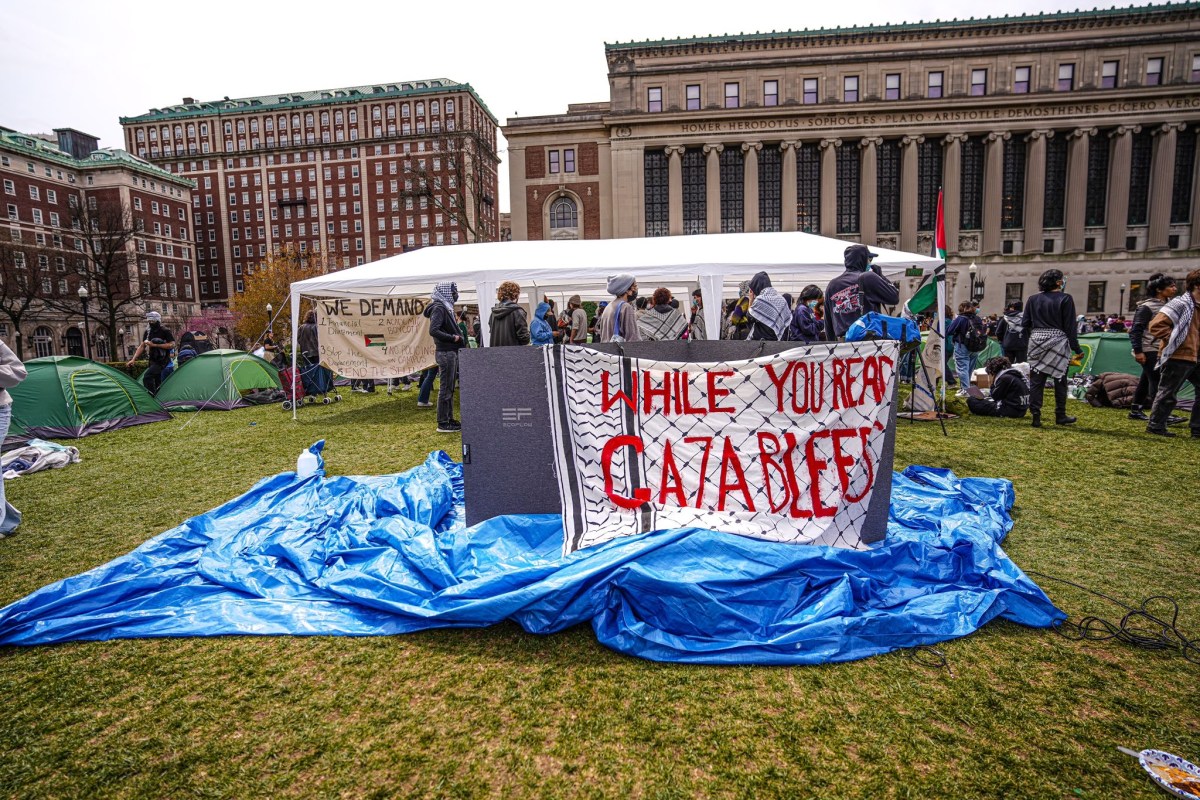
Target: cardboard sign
pixel 374 337
pixel 784 447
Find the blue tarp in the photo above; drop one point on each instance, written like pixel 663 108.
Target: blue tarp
pixel 363 556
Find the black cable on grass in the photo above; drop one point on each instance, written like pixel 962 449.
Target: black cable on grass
pixel 1138 628
pixel 928 656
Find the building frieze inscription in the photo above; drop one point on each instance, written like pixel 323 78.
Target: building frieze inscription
pixel 1019 113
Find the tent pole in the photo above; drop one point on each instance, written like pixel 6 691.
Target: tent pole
pixel 295 343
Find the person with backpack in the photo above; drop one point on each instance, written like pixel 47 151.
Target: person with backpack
pixel 969 338
pixel 1008 331
pixel 157 343
pixel 1048 332
pixel 861 288
pixel 619 322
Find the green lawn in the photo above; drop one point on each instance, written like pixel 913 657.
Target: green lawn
pixel 501 713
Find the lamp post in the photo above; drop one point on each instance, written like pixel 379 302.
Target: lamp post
pixel 17 334
pixel 976 285
pixel 83 298
pixel 1121 307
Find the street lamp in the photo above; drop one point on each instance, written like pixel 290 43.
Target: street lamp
pixel 1121 307
pixel 83 298
pixel 976 285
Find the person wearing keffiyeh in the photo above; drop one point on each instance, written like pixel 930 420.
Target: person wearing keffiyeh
pixel 1177 326
pixel 769 313
pixel 661 322
pixel 447 340
pixel 1048 332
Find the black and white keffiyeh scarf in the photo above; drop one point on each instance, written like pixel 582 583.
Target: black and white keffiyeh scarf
pixel 1049 352
pixel 772 310
pixel 444 294
pixel 1180 311
pixel 660 326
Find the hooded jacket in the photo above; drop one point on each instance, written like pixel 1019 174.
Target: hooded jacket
pixel 12 372
pixel 507 325
pixel 845 296
pixel 540 332
pixel 443 328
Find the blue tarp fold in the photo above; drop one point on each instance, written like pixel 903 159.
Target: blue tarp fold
pixel 362 556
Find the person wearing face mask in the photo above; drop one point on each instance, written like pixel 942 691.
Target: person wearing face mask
pixel 619 319
pixel 805 327
pixel 861 288
pixel 447 340
pixel 769 313
pixel 157 344
pixel 696 329
pixel 1048 333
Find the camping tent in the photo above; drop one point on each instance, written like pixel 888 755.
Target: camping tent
pixel 715 263
pixel 217 379
pixel 1110 352
pixel 69 397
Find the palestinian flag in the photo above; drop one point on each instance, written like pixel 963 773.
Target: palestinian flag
pixel 926 296
pixel 374 340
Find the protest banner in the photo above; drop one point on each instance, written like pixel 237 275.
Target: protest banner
pixel 786 447
pixel 374 337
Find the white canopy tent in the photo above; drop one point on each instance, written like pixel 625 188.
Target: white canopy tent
pixel 716 263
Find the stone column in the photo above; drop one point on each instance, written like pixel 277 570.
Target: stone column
pixel 908 192
pixel 1078 142
pixel 993 190
pixel 1035 189
pixel 516 195
pixel 750 187
pixel 629 169
pixel 869 177
pixel 788 200
pixel 712 185
pixel 1118 187
pixel 675 189
pixel 829 186
pixel 1162 179
pixel 952 188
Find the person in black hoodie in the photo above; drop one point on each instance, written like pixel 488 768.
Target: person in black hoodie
pixel 447 340
pixel 861 288
pixel 1048 332
pixel 1009 396
pixel 508 325
pixel 1008 331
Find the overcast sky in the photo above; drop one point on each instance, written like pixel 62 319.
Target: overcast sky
pixel 82 65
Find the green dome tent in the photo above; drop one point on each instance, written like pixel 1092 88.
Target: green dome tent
pixel 217 380
pixel 69 397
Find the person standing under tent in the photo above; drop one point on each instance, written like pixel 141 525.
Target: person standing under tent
pixel 507 326
pixel 769 313
pixel 661 322
pixel 805 327
pixel 540 332
pixel 12 372
pixel 861 288
pixel 1048 333
pixel 1145 347
pixel 696 329
pixel 619 321
pixel 577 332
pixel 157 343
pixel 1177 325
pixel 448 340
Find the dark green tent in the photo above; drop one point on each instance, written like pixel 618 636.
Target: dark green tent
pixel 1111 352
pixel 217 380
pixel 68 397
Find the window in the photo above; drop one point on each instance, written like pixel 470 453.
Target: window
pixel 850 88
pixel 654 99
pixel 732 169
pixel 1012 200
pixel 1181 187
pixel 1021 80
pixel 934 84
pixel 564 214
pixel 731 95
pixel 891 86
pixel 692 93
pixel 810 91
pixel 10 187
pixel 34 193
pixel 770 93
pixel 1195 69
pixel 1108 74
pixel 1095 296
pixel 569 160
pixel 1139 178
pixel 1054 198
pixel 657 193
pixel 1154 69
pixel 695 191
pixel 1014 293
pixel 978 82
pixel 12 212
pixel 554 162
pixel 1066 77
pixel 848 166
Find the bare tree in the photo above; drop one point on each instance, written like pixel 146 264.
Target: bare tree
pixel 21 293
pixel 109 235
pixel 453 180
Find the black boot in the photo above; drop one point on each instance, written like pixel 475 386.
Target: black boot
pixel 1064 420
pixel 1159 431
pixel 1037 419
pixel 1136 412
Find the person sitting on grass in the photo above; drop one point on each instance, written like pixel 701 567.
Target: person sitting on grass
pixel 1010 393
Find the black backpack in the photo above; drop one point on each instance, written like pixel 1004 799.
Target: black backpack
pixel 975 339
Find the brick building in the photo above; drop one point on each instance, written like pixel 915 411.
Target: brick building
pixel 359 173
pixel 1062 140
pixel 79 215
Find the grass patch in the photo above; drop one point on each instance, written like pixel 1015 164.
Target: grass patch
pixel 501 713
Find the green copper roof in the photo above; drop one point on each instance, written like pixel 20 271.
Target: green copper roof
pixel 274 102
pixel 905 27
pixel 103 158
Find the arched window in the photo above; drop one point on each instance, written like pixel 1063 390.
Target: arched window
pixel 43 342
pixel 74 342
pixel 564 214
pixel 102 348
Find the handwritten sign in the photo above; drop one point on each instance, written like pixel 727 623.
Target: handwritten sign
pixel 374 337
pixel 781 447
